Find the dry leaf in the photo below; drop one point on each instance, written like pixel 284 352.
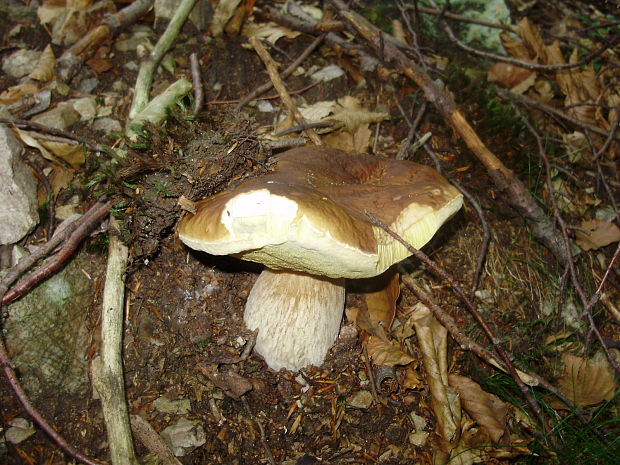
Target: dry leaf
pixel 60 178
pixel 508 75
pixel 383 353
pixel 381 303
pixel 360 318
pixel 271 32
pixel 586 381
pixel 44 71
pixel 224 10
pixel 596 234
pixel 50 10
pixel 433 342
pixel 412 379
pixel 16 93
pixel 532 39
pixel 73 154
pixel 475 446
pixel 487 409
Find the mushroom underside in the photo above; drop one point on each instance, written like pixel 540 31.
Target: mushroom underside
pixel 297 315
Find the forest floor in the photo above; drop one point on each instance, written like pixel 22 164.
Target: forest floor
pixel 184 332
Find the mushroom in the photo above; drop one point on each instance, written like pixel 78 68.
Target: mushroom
pixel 305 222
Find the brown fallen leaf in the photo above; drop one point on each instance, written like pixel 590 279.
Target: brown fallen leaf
pixel 15 93
pixel 485 408
pixel 44 71
pixel 233 384
pixel 433 343
pixel 384 353
pixel 596 234
pixel 586 381
pixel 73 154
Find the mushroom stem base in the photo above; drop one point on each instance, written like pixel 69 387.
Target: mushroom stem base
pixel 297 316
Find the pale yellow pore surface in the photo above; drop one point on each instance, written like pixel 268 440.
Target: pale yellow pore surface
pixel 309 214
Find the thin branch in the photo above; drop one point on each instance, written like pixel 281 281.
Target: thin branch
pixel 40 175
pixel 199 94
pixel 108 377
pixel 281 88
pixel 286 73
pixel 524 99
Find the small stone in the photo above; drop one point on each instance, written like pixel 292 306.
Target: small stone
pixel 107 125
pixel 184 436
pixel 61 117
pixel 86 86
pixel 86 107
pixel 328 73
pixel 20 430
pixel 20 63
pixel 418 438
pixel 179 406
pixel 419 422
pixel 361 399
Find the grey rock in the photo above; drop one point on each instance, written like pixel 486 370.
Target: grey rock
pixel 18 191
pixel 107 125
pixel 86 86
pixel 60 117
pixel 20 63
pixel 184 436
pixel 46 331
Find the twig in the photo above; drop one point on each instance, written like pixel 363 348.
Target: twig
pixel 281 89
pixel 403 152
pixel 73 231
pixel 249 345
pixel 285 143
pixel 524 99
pixel 454 16
pixel 371 376
pixel 197 83
pixel 520 63
pixel 152 440
pixel 286 73
pixel 71 235
pixel 108 377
pixel 263 437
pixel 497 344
pixel 268 97
pixel 148 66
pixel 610 137
pixel 109 27
pixel 515 191
pixel 56 132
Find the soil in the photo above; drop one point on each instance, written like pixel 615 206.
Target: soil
pixel 184 333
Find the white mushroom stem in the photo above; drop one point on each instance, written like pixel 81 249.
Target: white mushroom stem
pixel 297 316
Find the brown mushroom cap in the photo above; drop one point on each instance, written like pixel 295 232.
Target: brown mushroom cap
pixel 308 214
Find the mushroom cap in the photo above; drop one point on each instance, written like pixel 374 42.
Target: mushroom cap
pixel 308 215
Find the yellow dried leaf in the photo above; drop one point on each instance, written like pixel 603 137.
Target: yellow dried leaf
pixel 412 379
pixel 73 154
pixel 15 93
pixel 381 303
pixel 487 409
pixel 44 71
pixel 586 381
pixel 383 353
pixel 532 38
pixel 596 234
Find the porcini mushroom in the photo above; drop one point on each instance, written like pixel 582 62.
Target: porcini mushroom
pixel 305 222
